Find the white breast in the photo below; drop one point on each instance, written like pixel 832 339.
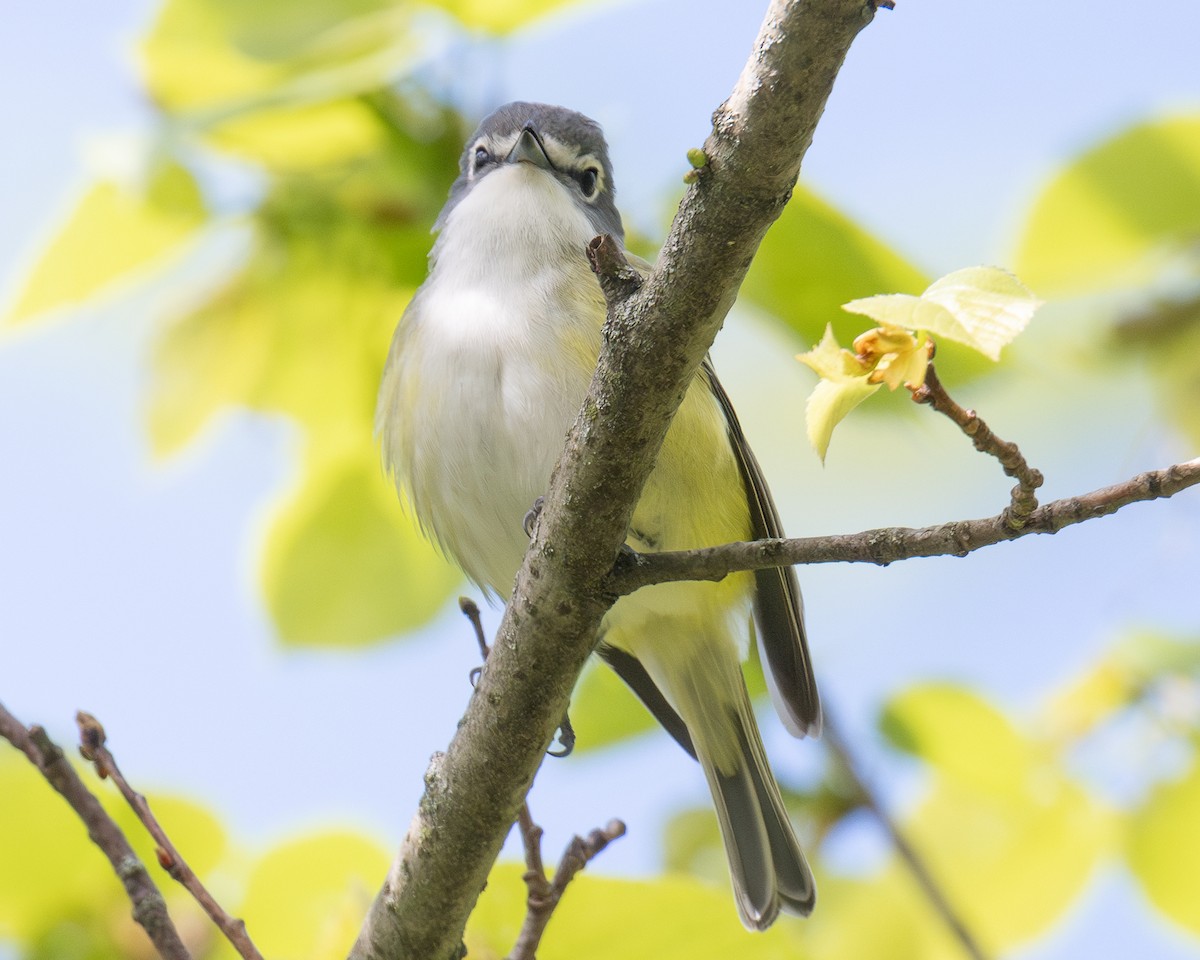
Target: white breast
pixel 489 367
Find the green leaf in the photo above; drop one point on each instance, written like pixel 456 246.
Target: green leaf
pixel 604 917
pixel 343 565
pixel 501 17
pixel 842 387
pixel 813 260
pixel 305 899
pixel 1014 856
pixel 1164 848
pixel 1102 221
pixel 957 732
pixel 113 231
pixel 604 711
pixel 303 331
pixel 981 307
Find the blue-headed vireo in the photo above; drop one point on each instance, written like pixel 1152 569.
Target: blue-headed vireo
pixel 487 371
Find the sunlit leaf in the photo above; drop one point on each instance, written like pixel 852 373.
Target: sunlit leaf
pixel 501 17
pixel 59 895
pixel 813 260
pixel 113 231
pixel 1002 826
pixel 1013 859
pixel 50 868
pixel 604 711
pixel 303 331
pixel 981 307
pixel 343 565
pixel 301 138
pixel 842 387
pixel 1101 221
pixel 902 925
pixel 306 899
pixel 1164 848
pixel 603 917
pixel 208 53
pixel 961 735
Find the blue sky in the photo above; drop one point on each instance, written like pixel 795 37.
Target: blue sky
pixel 118 574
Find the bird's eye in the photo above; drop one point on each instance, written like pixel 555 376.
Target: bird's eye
pixel 587 181
pixel 482 156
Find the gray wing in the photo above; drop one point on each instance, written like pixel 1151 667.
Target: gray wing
pixel 777 605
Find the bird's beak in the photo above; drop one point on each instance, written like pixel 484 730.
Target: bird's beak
pixel 528 149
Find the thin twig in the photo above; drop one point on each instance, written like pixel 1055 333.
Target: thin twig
pixel 1024 502
pixel 544 894
pixel 913 860
pixel 92 746
pixel 149 907
pixel 888 544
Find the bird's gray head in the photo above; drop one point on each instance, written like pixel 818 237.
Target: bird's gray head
pixel 563 144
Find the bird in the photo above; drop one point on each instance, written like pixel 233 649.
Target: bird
pixel 487 369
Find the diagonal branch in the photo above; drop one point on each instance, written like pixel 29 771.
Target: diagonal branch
pixel 92 745
pixel 149 908
pixel 655 341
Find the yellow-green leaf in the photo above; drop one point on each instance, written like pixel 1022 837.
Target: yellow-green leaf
pixel 604 917
pixel 1102 220
pixel 1164 848
pixel 306 899
pixel 114 231
pixel 842 387
pixel 343 565
pixel 828 405
pixel 981 307
pixel 814 259
pixel 305 137
pixel 964 737
pixel 1012 860
pixel 501 17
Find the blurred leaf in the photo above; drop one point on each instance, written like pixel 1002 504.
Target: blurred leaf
pixel 961 735
pixel 303 331
pixel 1002 828
pixel 1013 859
pixel 500 17
pixel 901 924
pixel 208 53
pixel 981 307
pixel 306 899
pixel 51 870
pixel 113 231
pixel 603 917
pixel 1120 678
pixel 59 896
pixel 1164 847
pixel 343 565
pixel 604 711
pixel 1168 335
pixel 814 259
pixel 306 137
pixel 1101 220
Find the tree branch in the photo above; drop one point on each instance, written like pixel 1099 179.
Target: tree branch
pixel 655 341
pixel 92 745
pixel 888 544
pixel 149 908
